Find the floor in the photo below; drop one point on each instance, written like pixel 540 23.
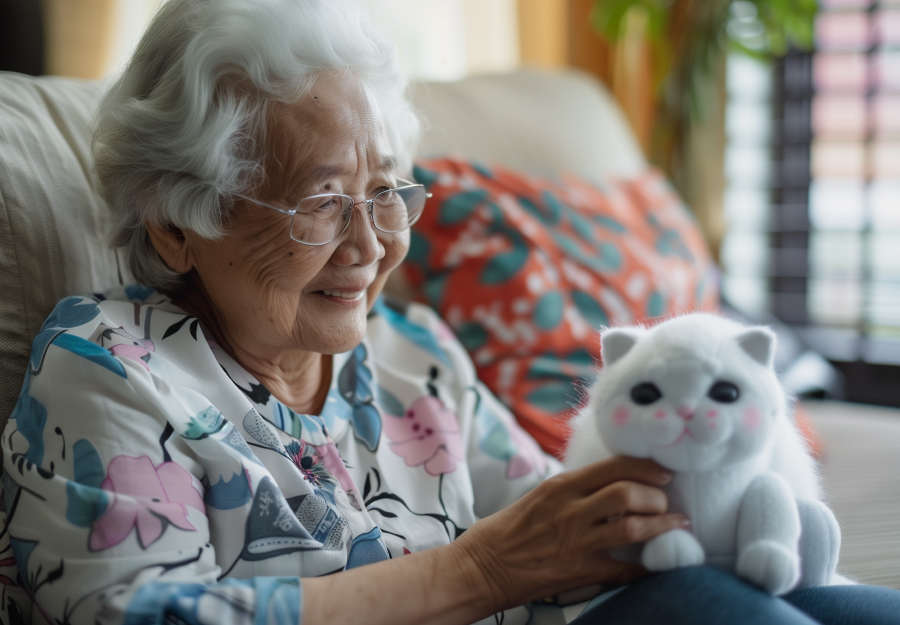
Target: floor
pixel 861 471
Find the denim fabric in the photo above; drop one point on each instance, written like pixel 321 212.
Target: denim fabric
pixel 705 595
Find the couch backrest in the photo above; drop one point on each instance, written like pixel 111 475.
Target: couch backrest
pixel 54 228
pixel 534 121
pixel 53 225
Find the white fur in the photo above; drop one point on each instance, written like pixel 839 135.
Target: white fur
pixel 740 466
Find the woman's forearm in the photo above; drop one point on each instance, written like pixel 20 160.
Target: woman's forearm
pixel 440 586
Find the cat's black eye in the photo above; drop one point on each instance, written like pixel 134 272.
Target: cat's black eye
pixel 645 393
pixel 724 392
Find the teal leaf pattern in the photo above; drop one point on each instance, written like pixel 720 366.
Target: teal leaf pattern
pixel 22 550
pixel 607 258
pixel 71 312
pixel 434 289
pixel 367 548
pixel 548 214
pixel 656 304
pixel 30 416
pixel 419 250
pixel 389 402
pixel 207 421
pixel 669 243
pixel 424 176
pixel 483 170
pixel 582 227
pixel 90 351
pixel 504 266
pixel 86 501
pixel 590 309
pixel 138 292
pixel 552 397
pixel 228 494
pixel 88 468
pixel 549 310
pixel 494 440
pixel 471 334
pixel 355 385
pixel 457 208
pixel 578 364
pixel 415 333
pixel 610 224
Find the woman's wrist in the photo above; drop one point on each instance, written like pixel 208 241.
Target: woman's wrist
pixel 442 586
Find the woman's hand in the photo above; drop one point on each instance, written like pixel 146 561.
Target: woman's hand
pixel 557 537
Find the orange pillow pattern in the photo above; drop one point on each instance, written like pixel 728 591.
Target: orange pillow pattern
pixel 526 270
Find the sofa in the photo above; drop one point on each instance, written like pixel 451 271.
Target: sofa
pixel 54 232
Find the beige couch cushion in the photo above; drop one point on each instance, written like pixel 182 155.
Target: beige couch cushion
pixel 53 225
pixel 535 121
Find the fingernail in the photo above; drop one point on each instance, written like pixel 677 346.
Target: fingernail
pixel 685 522
pixel 665 477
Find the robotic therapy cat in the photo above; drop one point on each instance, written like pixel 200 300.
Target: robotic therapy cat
pixel 698 394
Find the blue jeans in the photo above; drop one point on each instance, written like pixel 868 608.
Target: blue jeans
pixel 705 595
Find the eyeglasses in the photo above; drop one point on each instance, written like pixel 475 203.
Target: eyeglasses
pixel 320 219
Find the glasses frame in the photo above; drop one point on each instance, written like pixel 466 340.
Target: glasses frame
pixel 370 208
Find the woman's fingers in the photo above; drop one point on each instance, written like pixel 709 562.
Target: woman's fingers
pixel 604 472
pixel 635 528
pixel 625 497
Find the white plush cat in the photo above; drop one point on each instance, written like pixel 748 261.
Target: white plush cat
pixel 698 394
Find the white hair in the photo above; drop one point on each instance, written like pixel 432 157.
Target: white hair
pixel 182 130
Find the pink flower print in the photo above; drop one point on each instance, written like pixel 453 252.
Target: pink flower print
pixel 138 350
pixel 331 460
pixel 144 496
pixel 426 434
pixel 133 352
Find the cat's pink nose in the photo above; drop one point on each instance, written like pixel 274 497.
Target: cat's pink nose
pixel 685 413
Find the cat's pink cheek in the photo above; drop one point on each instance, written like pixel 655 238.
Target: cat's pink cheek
pixel 752 418
pixel 711 415
pixel 660 414
pixel 620 415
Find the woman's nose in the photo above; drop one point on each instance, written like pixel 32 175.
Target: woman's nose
pixel 360 245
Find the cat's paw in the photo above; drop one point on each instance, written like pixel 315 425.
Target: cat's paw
pixel 769 565
pixel 673 550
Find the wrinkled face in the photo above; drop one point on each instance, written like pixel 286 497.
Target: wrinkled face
pixel 687 413
pixel 267 288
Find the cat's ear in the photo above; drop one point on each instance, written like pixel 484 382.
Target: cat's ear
pixel 615 343
pixel 759 343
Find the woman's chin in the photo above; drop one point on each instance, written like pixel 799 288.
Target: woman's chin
pixel 338 333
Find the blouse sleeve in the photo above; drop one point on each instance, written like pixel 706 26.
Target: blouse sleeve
pixel 104 500
pixel 504 460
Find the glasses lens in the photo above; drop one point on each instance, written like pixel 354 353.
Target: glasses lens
pixel 397 209
pixel 321 218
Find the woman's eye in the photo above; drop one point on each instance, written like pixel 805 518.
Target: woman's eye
pixel 645 393
pixel 724 392
pixel 327 203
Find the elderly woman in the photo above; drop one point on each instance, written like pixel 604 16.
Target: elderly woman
pixel 187 451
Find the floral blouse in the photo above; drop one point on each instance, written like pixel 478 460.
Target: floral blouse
pixel 149 478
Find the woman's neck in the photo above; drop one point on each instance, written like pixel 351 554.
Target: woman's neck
pixel 298 379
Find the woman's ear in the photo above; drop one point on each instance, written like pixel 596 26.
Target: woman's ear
pixel 172 246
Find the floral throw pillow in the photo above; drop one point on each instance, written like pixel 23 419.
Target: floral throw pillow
pixel 526 270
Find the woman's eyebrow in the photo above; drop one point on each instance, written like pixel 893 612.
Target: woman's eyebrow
pixel 388 163
pixel 321 173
